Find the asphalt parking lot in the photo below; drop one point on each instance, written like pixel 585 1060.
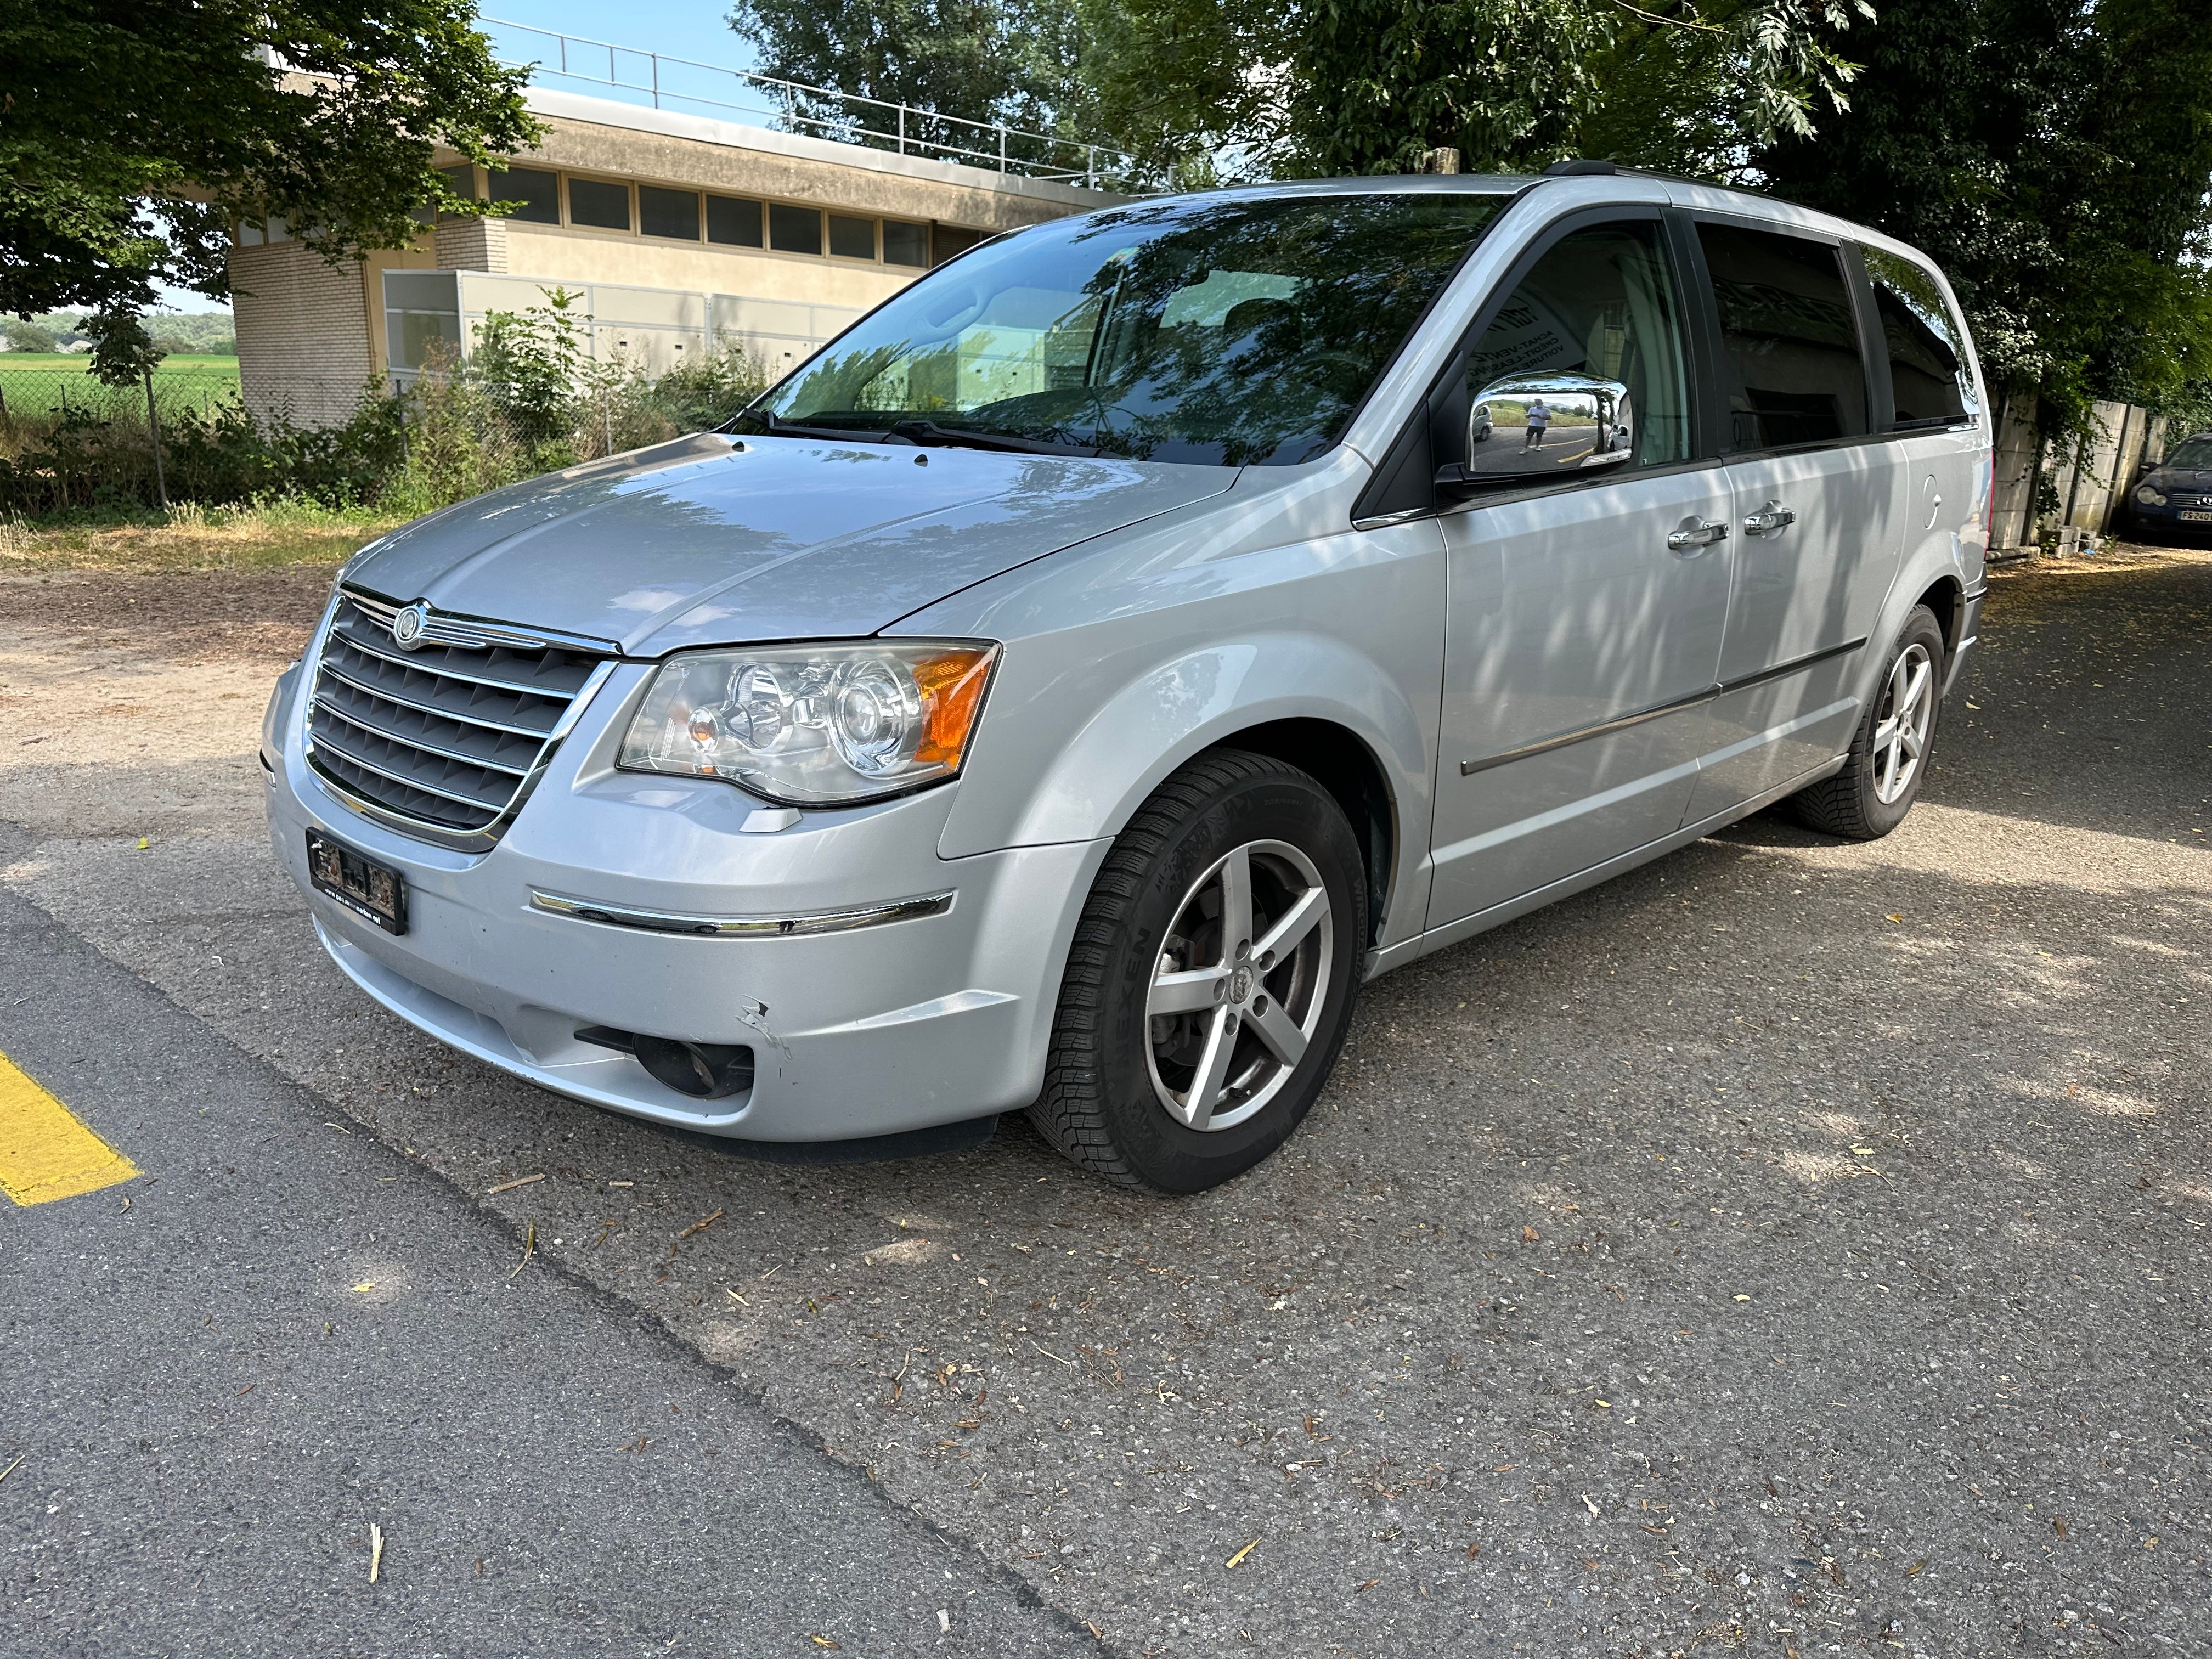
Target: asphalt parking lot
pixel 1790 1248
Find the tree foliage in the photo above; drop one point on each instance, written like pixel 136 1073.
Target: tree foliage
pixel 1009 61
pixel 1515 84
pixel 133 134
pixel 2055 157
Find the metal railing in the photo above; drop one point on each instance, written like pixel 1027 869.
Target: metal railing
pixel 846 117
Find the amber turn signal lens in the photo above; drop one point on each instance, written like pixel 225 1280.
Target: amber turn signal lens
pixel 951 687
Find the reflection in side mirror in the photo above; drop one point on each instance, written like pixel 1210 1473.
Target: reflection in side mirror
pixel 1527 427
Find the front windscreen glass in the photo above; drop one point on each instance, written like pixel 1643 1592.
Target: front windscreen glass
pixel 1222 332
pixel 2191 453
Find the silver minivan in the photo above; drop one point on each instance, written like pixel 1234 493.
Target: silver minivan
pixel 1067 688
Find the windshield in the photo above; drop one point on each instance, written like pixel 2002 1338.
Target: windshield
pixel 2191 453
pixel 1222 332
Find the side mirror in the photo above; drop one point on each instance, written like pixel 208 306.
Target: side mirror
pixel 1527 427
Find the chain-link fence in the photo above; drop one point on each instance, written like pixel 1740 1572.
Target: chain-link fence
pixel 68 440
pixel 68 391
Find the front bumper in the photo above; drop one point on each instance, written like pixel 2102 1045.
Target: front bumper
pixel 938 1017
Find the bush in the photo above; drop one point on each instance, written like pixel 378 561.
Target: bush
pixel 528 401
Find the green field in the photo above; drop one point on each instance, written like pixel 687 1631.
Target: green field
pixel 36 383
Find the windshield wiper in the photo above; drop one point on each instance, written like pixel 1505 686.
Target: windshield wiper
pixel 779 427
pixel 928 433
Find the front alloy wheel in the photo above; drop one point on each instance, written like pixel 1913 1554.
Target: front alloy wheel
pixel 1211 980
pixel 1237 994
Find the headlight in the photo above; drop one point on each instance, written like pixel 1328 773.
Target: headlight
pixel 813 724
pixel 2149 497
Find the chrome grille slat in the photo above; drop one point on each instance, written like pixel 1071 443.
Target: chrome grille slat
pixel 445 741
pixel 335 671
pixel 438 660
pixel 353 718
pixel 446 787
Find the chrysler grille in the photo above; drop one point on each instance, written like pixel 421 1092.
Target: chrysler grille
pixel 446 738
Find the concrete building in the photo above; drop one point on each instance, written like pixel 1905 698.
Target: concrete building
pixel 681 232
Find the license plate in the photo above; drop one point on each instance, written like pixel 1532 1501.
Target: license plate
pixel 368 889
pixel 2192 516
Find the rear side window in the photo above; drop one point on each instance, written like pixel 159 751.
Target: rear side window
pixel 1789 338
pixel 1930 383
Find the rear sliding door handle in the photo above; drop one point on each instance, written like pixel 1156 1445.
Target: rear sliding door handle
pixel 1770 520
pixel 1694 537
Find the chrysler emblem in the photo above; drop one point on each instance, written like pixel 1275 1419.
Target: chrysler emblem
pixel 408 624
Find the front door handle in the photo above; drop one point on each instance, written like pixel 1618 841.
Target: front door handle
pixel 1770 520
pixel 1694 537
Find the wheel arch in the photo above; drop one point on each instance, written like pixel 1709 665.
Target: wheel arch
pixel 1336 758
pixel 1311 701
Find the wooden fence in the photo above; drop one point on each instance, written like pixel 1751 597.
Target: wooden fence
pixel 2088 477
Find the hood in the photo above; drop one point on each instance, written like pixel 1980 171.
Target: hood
pixel 715 540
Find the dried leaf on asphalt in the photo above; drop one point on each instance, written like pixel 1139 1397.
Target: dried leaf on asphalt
pixel 2058 1525
pixel 1913 1571
pixel 1529 1235
pixel 823 1641
pixel 1474 1550
pixel 701 1225
pixel 1240 1555
pixel 1366 1586
pixel 509 1185
pixel 529 1247
pixel 1589 1504
pixel 375 1551
pixel 12 1468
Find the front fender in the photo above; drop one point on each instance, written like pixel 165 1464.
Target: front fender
pixel 1138 669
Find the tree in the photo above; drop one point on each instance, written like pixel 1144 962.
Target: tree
pixel 132 135
pixel 2055 157
pixel 1009 61
pixel 1515 84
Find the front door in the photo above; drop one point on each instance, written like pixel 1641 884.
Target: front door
pixel 1585 615
pixel 1818 513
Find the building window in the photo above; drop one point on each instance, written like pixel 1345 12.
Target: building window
pixel 538 193
pixel 671 213
pixel 794 230
pixel 947 240
pixel 600 204
pixel 852 239
pixel 733 221
pixel 905 244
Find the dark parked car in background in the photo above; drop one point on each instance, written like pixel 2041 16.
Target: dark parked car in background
pixel 2174 496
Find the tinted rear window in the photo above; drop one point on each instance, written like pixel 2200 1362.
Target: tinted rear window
pixel 1790 337
pixel 1930 383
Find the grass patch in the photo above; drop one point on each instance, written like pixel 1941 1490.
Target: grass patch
pixel 189 538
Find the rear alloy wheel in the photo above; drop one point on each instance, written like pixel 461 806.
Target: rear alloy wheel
pixel 1889 752
pixel 1211 978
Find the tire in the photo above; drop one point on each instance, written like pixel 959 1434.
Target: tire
pixel 1867 800
pixel 1131 1092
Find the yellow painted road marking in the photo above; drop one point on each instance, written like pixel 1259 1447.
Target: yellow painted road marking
pixel 46 1151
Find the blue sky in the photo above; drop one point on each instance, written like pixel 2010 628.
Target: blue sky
pixel 682 28
pixel 678 29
